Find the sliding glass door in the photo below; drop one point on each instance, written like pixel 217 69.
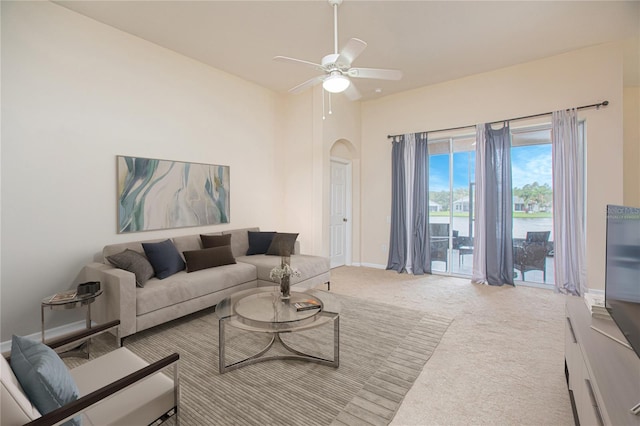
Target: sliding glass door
pixel 451 201
pixel 440 162
pixel 532 181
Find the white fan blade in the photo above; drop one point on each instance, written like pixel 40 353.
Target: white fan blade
pixel 378 73
pixel 352 93
pixel 303 86
pixel 299 62
pixel 350 52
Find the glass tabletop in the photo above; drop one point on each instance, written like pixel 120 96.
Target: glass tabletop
pixel 263 309
pixel 70 299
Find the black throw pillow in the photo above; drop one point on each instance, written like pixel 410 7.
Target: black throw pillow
pixel 208 258
pixel 164 258
pixel 283 244
pixel 209 241
pixel 259 242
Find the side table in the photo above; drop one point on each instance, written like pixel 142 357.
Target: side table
pixel 75 302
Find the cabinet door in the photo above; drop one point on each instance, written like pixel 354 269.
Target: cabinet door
pixel 573 356
pixel 588 410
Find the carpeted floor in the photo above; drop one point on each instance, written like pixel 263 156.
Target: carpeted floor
pixel 383 349
pixel 501 361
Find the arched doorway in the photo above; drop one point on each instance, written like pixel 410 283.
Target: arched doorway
pixel 340 205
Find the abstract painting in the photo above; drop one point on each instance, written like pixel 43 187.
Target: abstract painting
pixel 161 194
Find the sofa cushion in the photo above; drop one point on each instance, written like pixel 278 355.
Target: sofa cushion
pixel 240 240
pixel 208 258
pixel 283 244
pixel 164 258
pixel 209 241
pixel 180 287
pixel 149 398
pixel 309 266
pixel 187 243
pixel 259 242
pixel 43 376
pixel 132 261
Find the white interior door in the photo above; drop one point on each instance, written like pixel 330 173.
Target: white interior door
pixel 339 217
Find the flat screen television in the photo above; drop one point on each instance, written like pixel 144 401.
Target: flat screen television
pixel 622 273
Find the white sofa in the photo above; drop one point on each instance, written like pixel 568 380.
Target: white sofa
pixel 183 293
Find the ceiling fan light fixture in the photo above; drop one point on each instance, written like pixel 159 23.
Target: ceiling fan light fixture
pixel 336 83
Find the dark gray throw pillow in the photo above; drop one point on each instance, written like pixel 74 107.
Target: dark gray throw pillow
pixel 209 241
pixel 283 244
pixel 132 261
pixel 259 242
pixel 208 258
pixel 164 258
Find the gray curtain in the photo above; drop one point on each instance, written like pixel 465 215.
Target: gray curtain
pixel 409 240
pixel 398 240
pixel 421 253
pixel 498 208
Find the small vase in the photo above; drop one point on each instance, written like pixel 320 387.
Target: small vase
pixel 285 286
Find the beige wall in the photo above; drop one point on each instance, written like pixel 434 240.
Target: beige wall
pixel 76 93
pixel 577 78
pixel 632 146
pixel 343 127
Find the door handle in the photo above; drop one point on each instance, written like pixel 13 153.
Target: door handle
pixel 344 219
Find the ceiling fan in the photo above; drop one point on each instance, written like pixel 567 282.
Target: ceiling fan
pixel 337 66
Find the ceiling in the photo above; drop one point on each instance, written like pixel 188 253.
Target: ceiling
pixel 430 41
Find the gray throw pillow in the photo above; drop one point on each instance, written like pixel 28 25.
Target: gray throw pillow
pixel 283 244
pixel 132 261
pixel 43 376
pixel 209 241
pixel 208 258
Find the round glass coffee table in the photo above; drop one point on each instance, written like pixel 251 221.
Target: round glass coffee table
pixel 263 310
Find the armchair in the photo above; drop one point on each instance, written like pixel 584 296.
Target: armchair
pixel 531 254
pixel 116 388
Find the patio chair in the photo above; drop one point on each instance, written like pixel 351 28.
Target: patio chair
pixel 439 244
pixel 116 388
pixel 465 247
pixel 531 254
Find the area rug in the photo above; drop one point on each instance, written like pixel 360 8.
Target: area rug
pixel 383 349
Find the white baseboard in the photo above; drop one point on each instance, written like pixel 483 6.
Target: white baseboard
pixel 50 334
pixel 374 265
pixel 595 291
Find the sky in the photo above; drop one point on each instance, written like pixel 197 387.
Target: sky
pixel 528 164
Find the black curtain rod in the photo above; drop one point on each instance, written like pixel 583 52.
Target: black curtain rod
pixel 598 105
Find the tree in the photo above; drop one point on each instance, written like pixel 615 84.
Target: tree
pixel 534 193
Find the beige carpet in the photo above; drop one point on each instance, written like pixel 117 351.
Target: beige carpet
pixel 383 349
pixel 501 361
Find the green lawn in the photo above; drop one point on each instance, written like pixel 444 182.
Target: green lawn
pixel 519 215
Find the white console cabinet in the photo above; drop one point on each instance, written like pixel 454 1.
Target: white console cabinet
pixel 602 374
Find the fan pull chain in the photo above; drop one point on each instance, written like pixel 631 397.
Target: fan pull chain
pixel 323 117
pixel 330 112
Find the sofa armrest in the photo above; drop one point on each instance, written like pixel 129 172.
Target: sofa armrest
pixel 118 300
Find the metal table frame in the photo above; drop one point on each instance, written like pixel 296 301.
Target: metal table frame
pixel 225 321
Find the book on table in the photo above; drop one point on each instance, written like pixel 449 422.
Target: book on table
pixel 305 305
pixel 63 297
